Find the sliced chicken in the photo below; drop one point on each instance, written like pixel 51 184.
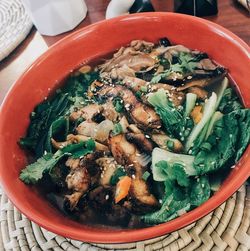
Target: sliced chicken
pixel 108 166
pixel 125 153
pixel 109 111
pixel 78 180
pixel 141 114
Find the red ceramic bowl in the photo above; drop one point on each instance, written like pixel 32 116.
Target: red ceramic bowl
pixel 88 44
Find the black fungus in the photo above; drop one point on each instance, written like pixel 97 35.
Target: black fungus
pixel 164 42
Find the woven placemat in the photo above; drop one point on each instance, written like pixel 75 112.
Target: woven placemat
pixel 226 228
pixel 14 26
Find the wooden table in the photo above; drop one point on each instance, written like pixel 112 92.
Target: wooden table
pixel 231 16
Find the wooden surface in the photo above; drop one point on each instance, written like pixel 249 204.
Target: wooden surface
pixel 231 15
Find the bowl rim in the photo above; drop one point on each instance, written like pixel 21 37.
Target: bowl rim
pixel 125 236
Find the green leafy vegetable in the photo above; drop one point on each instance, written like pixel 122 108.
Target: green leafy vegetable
pixel 167 165
pixel 229 102
pixel 174 172
pixel 200 191
pixel 178 199
pixel 209 110
pixel 217 115
pixel 170 116
pixel 173 206
pixel 58 131
pixel 220 92
pixel 35 171
pixel 190 103
pixel 229 139
pixel 47 112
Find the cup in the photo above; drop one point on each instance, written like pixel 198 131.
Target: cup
pixel 52 17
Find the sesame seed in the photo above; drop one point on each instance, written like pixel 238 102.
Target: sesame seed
pixel 180 98
pixel 189 77
pixel 107 197
pixel 138 154
pixel 160 201
pixel 133 176
pixel 190 152
pixel 147 136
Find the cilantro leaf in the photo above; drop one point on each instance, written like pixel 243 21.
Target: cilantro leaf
pixel 187 63
pixel 200 191
pixel 35 171
pixel 173 172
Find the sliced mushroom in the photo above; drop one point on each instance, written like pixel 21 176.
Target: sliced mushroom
pixel 201 93
pixel 87 112
pixel 201 82
pixel 162 139
pixel 78 138
pixel 141 45
pixel 207 64
pixel 121 72
pixel 71 138
pixel 135 84
pixel 142 200
pixel 86 128
pixel 140 140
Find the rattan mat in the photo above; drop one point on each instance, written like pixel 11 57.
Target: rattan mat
pixel 14 26
pixel 226 228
